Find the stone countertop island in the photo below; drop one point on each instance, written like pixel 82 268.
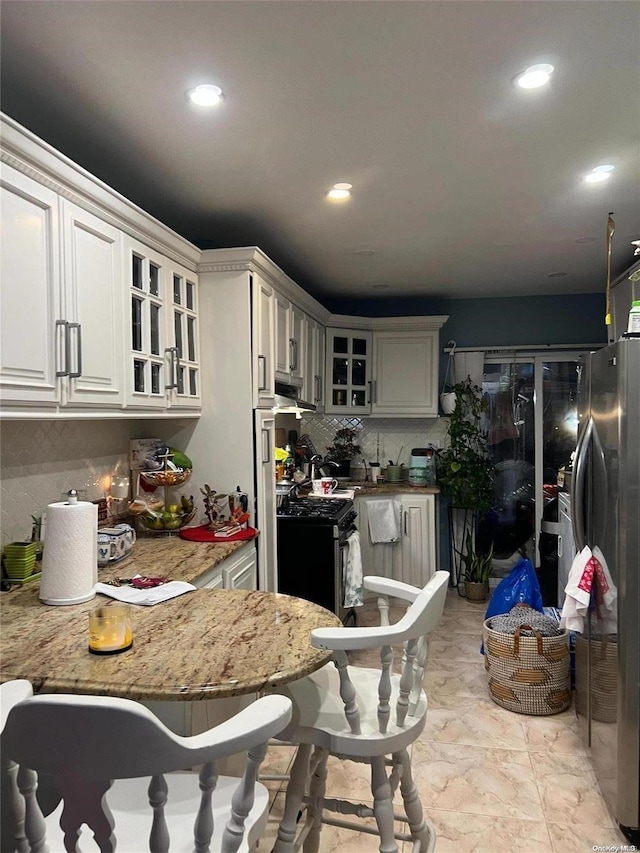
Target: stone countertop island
pixel 204 644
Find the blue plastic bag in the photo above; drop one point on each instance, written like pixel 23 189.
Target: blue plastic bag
pixel 519 587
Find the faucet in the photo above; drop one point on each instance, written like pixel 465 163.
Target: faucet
pixel 318 463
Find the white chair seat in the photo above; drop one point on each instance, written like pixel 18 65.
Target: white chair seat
pixel 318 714
pixel 129 805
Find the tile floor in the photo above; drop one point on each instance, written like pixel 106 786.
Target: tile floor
pixel 489 780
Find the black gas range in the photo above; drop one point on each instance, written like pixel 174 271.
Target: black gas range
pixel 317 511
pixel 312 550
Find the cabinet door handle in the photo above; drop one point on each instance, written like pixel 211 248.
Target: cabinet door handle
pixel 78 371
pixel 374 391
pixel 173 351
pixel 293 344
pixel 267 433
pixel 406 515
pixel 318 388
pixel 262 364
pixel 66 348
pixel 177 374
pixel 559 546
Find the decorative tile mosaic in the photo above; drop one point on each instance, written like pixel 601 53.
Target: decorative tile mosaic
pixel 380 438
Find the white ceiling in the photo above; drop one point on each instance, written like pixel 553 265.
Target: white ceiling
pixel 464 185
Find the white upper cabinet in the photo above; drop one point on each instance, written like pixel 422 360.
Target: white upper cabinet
pixel 148 344
pixel 94 322
pixel 313 388
pixel 390 371
pixel 348 372
pixel 30 299
pixel 298 321
pixel 290 336
pixel 283 346
pixel 93 299
pixel 183 353
pixel 263 334
pixel 405 374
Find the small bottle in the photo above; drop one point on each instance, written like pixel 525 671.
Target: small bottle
pixel 634 318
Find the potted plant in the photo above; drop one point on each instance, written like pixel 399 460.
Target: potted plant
pixel 343 450
pixel 475 570
pixel 466 477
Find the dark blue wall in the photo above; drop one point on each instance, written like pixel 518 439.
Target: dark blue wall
pixel 501 321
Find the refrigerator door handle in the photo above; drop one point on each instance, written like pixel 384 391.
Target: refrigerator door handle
pixel 578 490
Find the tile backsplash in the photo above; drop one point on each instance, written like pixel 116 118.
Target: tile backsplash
pixel 40 460
pixel 379 438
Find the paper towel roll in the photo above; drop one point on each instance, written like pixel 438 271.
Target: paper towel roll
pixel 70 558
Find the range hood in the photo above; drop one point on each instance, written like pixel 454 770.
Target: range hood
pixel 288 400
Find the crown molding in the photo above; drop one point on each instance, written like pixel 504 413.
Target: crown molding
pixel 253 259
pixel 38 160
pixel 388 324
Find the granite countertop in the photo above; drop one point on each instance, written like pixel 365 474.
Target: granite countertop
pixel 178 559
pixel 201 645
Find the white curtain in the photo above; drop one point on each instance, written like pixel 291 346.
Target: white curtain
pixel 468 364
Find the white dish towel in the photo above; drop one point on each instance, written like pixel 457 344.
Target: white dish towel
pixel 384 520
pixel 352 581
pixel 589 572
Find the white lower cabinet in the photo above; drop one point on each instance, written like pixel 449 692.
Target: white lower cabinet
pixel 412 559
pixel 416 560
pixel 236 572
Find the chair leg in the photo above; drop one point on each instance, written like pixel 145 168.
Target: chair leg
pixel 412 806
pixel 317 787
pixel 383 805
pixel 293 800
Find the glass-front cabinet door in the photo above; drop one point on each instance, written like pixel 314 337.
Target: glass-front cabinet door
pixel 183 355
pixel 163 368
pixel 348 372
pixel 146 272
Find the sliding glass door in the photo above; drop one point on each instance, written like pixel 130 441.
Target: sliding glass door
pixel 531 433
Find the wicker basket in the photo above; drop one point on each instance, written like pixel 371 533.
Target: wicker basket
pixel 604 677
pixel 528 675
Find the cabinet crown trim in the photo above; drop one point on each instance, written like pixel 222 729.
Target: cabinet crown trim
pixel 388 324
pixel 253 259
pixel 35 158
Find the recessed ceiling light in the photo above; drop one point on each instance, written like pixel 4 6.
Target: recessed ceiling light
pixel 381 287
pixel 535 76
pixel 206 95
pixel 556 274
pixel 340 192
pixel 599 174
pixel 365 252
pixel 585 240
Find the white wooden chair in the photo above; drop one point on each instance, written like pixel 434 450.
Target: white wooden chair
pixel 13 834
pixel 86 742
pixel 363 715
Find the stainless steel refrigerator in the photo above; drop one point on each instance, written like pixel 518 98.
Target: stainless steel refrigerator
pixel 606 514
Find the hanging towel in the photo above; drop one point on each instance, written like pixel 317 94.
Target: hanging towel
pixel 589 574
pixel 384 524
pixel 352 581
